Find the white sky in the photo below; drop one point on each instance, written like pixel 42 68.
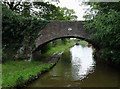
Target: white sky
pixel 75 5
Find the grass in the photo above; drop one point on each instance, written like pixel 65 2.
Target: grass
pixel 17 73
pixel 17 76
pixel 59 48
pixel 13 66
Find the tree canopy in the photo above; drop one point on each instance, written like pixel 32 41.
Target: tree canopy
pixel 22 22
pixel 43 10
pixel 106 29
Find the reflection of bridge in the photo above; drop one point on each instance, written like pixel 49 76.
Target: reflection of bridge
pixel 61 29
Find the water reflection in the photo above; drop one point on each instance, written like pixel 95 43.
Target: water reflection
pixel 82 62
pixel 77 68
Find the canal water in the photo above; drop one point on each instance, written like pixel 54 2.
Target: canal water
pixel 78 68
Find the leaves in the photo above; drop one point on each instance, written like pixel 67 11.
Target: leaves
pixel 21 23
pixel 16 28
pixel 106 30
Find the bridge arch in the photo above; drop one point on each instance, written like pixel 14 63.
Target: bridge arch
pixel 61 29
pixel 40 46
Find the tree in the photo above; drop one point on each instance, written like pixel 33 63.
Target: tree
pixel 42 10
pixel 68 13
pixel 19 31
pixel 21 26
pixel 105 30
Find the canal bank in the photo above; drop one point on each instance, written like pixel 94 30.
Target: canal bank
pixel 78 68
pixel 52 62
pixel 15 75
pixel 23 77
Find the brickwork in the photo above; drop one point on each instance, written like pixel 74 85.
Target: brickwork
pixel 61 29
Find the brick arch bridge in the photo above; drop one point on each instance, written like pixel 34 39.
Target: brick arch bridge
pixel 61 29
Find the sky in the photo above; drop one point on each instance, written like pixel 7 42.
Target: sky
pixel 75 5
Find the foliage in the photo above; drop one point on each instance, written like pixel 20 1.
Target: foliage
pixel 18 31
pixel 64 41
pixel 54 43
pixel 68 14
pixel 66 56
pixel 42 10
pixel 47 11
pixel 22 23
pixel 60 48
pixel 0 75
pixel 56 50
pixel 105 30
pixel 60 42
pixel 57 42
pixel 46 47
pixel 104 7
pixel 19 78
pixel 50 12
pixel 20 7
pixel 83 43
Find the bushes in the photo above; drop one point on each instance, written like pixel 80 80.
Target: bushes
pixel 19 31
pixel 106 34
pixel 110 55
pixel 46 47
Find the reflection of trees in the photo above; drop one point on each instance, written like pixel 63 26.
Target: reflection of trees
pixel 66 60
pixel 64 65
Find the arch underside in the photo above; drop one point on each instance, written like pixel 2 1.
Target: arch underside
pixel 52 39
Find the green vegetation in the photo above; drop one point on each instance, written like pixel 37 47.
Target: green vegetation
pixel 21 25
pixel 19 73
pixel 57 49
pixel 83 43
pixel 17 34
pixel 46 47
pixel 60 47
pixel 0 76
pixel 66 55
pixel 54 43
pixel 13 66
pixel 105 30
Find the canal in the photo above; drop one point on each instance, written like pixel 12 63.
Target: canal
pixel 78 68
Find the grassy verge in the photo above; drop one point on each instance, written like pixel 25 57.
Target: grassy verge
pixel 18 76
pixel 57 49
pixel 17 73
pixel 13 66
